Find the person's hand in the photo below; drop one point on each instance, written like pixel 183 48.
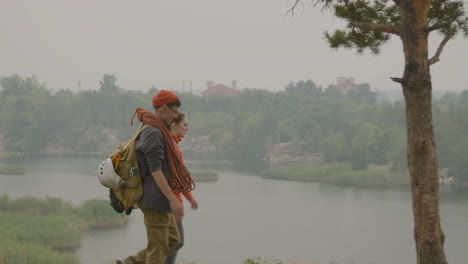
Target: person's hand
pixel 177 209
pixel 193 204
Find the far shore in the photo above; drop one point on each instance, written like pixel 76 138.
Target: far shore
pixel 12 170
pixel 335 173
pixel 352 181
pixel 204 175
pixel 342 174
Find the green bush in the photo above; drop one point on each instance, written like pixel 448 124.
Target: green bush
pixel 204 175
pixel 338 173
pixel 31 227
pixel 98 213
pixel 33 206
pixel 308 171
pixel 370 178
pixel 50 231
pixel 12 170
pixel 258 260
pixel 19 253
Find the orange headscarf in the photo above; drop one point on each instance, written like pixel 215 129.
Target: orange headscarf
pixel 164 97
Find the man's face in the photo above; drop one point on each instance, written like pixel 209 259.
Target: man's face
pixel 170 113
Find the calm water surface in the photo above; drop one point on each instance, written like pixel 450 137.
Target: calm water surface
pixel 242 216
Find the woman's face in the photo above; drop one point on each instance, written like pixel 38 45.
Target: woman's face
pixel 180 129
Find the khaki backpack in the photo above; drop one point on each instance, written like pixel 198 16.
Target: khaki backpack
pixel 125 163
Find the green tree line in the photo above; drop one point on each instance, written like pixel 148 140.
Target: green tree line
pixel 355 127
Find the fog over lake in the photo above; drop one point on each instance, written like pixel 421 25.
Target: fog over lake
pixel 163 43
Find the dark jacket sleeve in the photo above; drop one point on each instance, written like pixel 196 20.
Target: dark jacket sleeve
pixel 153 148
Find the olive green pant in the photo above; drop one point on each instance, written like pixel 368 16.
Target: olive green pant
pixel 162 234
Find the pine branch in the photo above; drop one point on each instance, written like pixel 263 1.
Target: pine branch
pixel 377 27
pixel 441 25
pixel 436 56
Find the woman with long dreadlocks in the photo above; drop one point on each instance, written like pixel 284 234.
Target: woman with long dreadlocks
pixel 162 172
pixel 178 129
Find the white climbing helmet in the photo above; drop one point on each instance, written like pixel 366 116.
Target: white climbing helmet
pixel 107 175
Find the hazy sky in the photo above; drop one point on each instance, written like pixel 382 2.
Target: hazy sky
pixel 162 43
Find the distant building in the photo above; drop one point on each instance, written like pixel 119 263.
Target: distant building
pixel 219 88
pixel 344 84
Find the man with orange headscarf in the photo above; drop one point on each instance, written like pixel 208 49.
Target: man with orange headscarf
pixel 161 172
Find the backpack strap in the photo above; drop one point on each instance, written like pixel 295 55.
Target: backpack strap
pixel 135 136
pixel 139 130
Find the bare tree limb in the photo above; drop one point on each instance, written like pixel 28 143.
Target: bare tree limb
pixel 291 10
pixel 377 27
pixel 436 56
pixel 306 2
pixel 398 80
pixel 441 25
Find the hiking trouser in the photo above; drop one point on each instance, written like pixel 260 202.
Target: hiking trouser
pixel 162 235
pixel 173 254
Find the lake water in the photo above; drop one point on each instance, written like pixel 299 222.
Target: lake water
pixel 243 216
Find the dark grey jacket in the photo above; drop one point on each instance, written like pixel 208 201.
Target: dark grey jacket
pixel 151 157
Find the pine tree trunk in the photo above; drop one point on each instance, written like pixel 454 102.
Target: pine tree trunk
pixel 422 161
